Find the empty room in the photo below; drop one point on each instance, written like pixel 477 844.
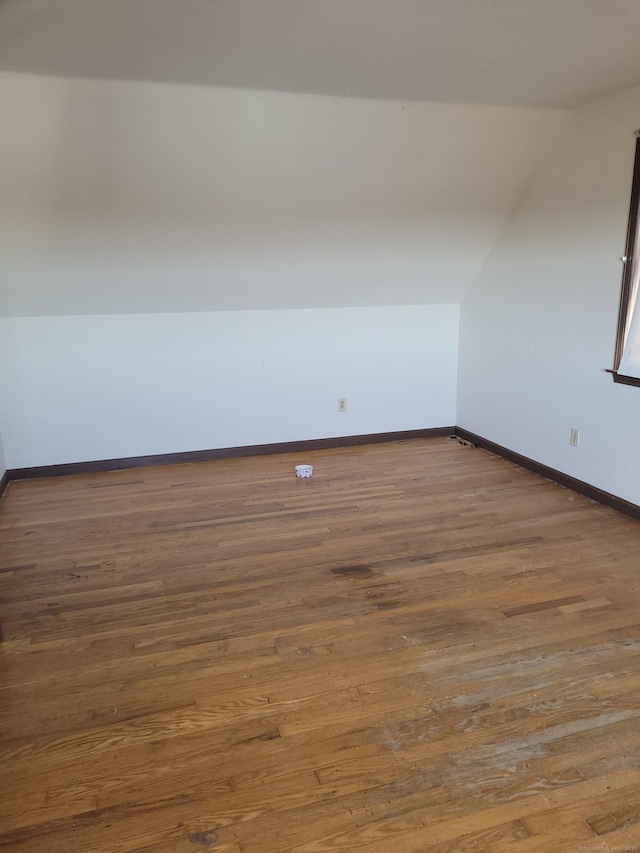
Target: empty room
pixel 319 420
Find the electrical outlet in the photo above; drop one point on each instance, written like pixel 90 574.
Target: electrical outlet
pixel 573 437
pixel 342 404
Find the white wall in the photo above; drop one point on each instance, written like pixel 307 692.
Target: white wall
pixel 188 268
pixel 121 197
pixel 538 326
pixel 84 388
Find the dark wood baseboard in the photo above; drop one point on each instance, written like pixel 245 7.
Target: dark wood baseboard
pixel 219 453
pixel 4 483
pixel 579 486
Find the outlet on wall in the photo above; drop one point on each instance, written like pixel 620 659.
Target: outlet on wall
pixel 342 404
pixel 573 437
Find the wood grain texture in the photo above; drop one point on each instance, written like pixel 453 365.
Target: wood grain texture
pixel 421 648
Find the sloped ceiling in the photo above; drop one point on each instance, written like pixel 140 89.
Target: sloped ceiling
pixel 535 53
pixel 195 155
pixel 122 197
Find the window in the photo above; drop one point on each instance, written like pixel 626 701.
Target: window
pixel 626 366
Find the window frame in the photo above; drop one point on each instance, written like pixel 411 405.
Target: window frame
pixel 630 273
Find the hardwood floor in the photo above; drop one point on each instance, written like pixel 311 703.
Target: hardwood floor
pixel 422 648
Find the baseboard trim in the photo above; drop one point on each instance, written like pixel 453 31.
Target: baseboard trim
pixel 4 483
pixel 127 462
pixel 556 476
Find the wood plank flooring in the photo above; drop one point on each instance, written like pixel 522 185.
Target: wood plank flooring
pixel 422 648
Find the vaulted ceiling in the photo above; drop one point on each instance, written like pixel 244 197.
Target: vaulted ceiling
pixel 537 53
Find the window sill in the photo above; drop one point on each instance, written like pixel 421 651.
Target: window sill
pixel 621 379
